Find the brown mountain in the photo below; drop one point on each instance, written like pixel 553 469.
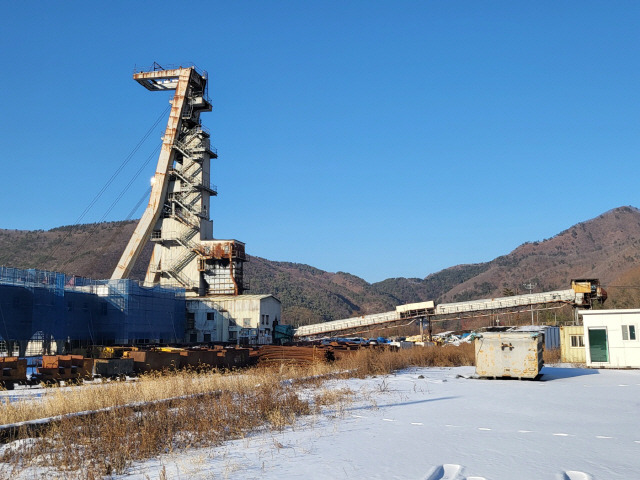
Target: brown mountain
pixel 606 247
pixel 91 250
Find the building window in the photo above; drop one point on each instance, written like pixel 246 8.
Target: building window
pixel 577 341
pixel 191 321
pixel 207 337
pixel 211 316
pixel 628 332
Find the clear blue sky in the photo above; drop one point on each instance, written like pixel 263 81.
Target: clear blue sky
pixel 383 139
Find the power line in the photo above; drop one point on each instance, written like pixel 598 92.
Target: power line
pixel 107 184
pixel 122 165
pixel 113 204
pixel 129 217
pixel 135 208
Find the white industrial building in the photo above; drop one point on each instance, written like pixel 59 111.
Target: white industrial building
pixel 242 319
pixel 611 338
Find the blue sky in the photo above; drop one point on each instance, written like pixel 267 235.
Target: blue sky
pixel 384 139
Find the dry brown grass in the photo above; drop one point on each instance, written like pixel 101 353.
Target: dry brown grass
pixel 551 355
pixel 384 361
pixel 147 388
pixel 108 442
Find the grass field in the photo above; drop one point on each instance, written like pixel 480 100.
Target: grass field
pixel 213 408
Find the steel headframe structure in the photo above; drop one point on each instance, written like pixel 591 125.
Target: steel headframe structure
pixel 177 219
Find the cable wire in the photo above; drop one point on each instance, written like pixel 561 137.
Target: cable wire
pixel 113 204
pixel 107 184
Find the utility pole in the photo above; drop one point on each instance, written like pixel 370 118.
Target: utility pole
pixel 529 286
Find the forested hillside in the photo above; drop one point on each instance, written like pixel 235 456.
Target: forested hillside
pixel 606 247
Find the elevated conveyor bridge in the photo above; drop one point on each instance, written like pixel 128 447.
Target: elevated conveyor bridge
pixel 583 293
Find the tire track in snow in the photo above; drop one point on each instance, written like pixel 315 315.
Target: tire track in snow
pixel 488 429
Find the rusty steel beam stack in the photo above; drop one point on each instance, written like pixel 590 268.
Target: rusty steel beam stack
pixel 159 360
pixel 65 367
pixel 294 355
pixel 306 354
pixel 13 370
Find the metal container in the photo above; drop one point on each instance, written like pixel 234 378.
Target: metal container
pixel 572 344
pixel 148 361
pixel 12 370
pixel 113 367
pixel 200 359
pixel 234 358
pixel 509 354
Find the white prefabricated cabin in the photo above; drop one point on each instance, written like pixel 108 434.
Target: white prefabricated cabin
pixel 611 338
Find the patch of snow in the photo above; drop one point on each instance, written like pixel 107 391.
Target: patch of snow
pixel 573 424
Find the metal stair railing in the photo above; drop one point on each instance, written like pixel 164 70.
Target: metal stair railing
pixel 186 220
pixel 182 177
pixel 179 199
pixel 185 239
pixel 175 268
pixel 182 148
pixel 192 182
pixel 179 278
pixel 192 175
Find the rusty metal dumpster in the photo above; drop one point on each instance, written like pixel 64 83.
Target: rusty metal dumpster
pixel 509 354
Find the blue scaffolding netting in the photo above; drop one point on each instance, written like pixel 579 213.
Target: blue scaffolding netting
pixel 77 310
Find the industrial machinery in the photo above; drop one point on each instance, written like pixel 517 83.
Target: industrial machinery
pixel 582 294
pixel 177 216
pixel 282 334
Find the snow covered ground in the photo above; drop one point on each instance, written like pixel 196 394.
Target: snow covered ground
pixel 436 424
pixel 432 424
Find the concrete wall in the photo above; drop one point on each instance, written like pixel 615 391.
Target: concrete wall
pixel 209 323
pixel 622 353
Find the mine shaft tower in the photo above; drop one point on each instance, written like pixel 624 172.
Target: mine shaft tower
pixel 177 219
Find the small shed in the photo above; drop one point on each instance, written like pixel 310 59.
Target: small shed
pixel 611 338
pixel 509 354
pixel 572 344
